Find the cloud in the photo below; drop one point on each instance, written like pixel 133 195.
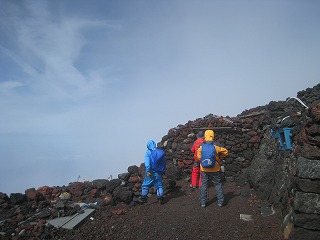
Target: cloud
pixel 9 85
pixel 49 49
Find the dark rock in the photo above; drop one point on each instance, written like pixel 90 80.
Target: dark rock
pixel 60 205
pixel 76 189
pixel 45 213
pixel 4 196
pixel 99 184
pixel 112 184
pixel 17 198
pixel 234 167
pixel 304 234
pixel 307 221
pixel 306 202
pixel 133 170
pixel 307 185
pixel 168 185
pixel 123 194
pixel 124 176
pixel 174 172
pixel 310 151
pixel 247 154
pixel 263 167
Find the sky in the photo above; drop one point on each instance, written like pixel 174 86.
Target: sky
pixel 85 84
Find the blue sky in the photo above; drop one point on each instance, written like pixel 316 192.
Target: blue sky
pixel 85 84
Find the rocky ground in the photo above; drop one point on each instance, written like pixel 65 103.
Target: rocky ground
pixel 181 217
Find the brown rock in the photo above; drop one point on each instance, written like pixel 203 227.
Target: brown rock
pixel 188 162
pixel 180 164
pixel 255 139
pixel 76 189
pixel 33 194
pixel 252 133
pixel 134 179
pixel 45 190
pixel 310 151
pixel 94 193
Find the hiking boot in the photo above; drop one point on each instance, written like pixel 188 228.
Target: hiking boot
pixel 144 199
pixel 160 200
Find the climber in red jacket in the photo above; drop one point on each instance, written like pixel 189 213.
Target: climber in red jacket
pixel 195 175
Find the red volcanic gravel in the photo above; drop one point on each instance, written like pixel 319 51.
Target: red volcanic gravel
pixel 181 217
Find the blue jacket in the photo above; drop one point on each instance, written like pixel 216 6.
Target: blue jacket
pixel 151 145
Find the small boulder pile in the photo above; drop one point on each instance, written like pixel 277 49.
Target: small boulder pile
pixel 25 215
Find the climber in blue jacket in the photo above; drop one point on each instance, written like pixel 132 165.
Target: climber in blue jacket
pixel 155 163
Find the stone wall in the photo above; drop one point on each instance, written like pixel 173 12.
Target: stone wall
pixel 305 214
pixel 288 179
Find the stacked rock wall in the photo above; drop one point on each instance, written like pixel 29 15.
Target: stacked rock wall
pixel 287 179
pixel 305 212
pixel 241 135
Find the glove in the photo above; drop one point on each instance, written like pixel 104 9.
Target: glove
pixel 149 174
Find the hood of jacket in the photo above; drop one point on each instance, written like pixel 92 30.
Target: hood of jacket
pixel 151 145
pixel 208 136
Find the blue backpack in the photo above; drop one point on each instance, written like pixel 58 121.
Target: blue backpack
pixel 158 160
pixel 208 159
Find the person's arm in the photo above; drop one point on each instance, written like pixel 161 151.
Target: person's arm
pixel 193 148
pixel 147 161
pixel 221 152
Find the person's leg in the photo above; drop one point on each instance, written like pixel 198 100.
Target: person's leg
pixel 159 187
pixel 216 179
pixel 195 175
pixel 147 182
pixel 203 189
pixel 200 179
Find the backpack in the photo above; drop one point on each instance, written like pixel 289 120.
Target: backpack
pixel 208 153
pixel 158 160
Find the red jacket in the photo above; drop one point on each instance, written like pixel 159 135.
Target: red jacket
pixel 195 147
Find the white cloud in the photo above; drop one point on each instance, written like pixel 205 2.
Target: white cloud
pixel 9 85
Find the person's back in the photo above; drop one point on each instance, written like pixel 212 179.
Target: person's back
pixel 155 163
pixel 211 173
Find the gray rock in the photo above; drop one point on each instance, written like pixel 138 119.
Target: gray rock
pixel 124 176
pixel 112 184
pixel 17 198
pixel 307 185
pixel 307 202
pixel 100 184
pixel 307 168
pixel 133 170
pixel 308 221
pixel 304 234
pixel 123 194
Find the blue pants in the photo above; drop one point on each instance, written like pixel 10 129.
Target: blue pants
pixel 216 179
pixel 155 179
